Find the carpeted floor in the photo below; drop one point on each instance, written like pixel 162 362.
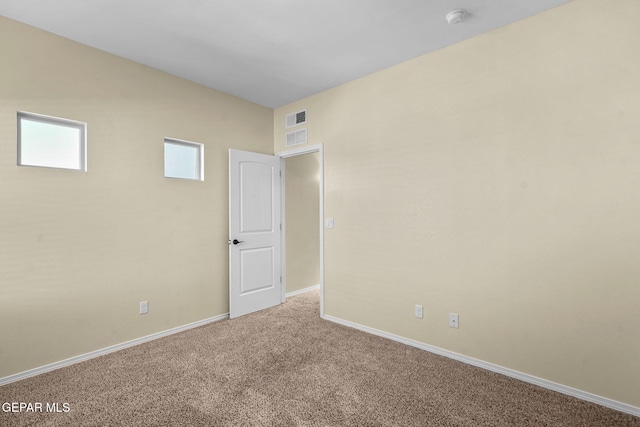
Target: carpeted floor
pixel 287 367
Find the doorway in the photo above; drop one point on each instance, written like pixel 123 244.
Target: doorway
pixel 303 213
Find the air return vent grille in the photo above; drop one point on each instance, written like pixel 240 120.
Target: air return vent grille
pixel 295 119
pixel 297 137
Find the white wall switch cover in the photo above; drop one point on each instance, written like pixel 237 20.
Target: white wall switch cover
pixel 329 223
pixel 453 320
pixel 144 307
pixel 418 311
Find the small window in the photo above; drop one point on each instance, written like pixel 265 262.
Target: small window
pixel 51 142
pixel 183 159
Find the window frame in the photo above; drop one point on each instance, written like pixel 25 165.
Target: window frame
pixel 55 121
pixel 199 158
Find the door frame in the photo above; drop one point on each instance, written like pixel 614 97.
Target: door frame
pixel 315 148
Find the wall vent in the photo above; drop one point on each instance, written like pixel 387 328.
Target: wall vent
pixel 295 119
pixel 296 137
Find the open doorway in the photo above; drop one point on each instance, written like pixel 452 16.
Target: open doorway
pixel 302 234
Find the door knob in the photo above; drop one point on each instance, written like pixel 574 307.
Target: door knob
pixel 236 241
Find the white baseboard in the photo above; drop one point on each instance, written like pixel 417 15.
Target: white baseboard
pixel 302 291
pixel 589 397
pixel 81 358
pixel 583 395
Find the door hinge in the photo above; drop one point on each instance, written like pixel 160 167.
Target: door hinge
pixel 281 279
pixel 280 174
pixel 280 226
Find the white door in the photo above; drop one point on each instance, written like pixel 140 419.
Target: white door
pixel 255 280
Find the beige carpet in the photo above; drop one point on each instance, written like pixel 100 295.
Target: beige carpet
pixel 287 367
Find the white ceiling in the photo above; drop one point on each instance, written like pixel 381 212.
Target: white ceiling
pixel 271 52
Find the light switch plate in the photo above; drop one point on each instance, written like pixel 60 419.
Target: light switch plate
pixel 144 307
pixel 329 223
pixel 453 320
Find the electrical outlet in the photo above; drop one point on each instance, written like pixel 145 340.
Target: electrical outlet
pixel 144 307
pixel 454 320
pixel 418 311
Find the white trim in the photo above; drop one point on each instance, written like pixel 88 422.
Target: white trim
pixel 283 225
pixel 81 358
pixel 302 291
pixel 570 391
pixel 316 148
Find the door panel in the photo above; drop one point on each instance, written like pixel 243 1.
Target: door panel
pixel 256 268
pixel 255 281
pixel 256 197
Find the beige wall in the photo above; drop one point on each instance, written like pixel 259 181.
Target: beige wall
pixel 79 251
pixel 302 196
pixel 498 179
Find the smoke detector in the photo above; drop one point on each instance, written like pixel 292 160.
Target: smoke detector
pixel 455 16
